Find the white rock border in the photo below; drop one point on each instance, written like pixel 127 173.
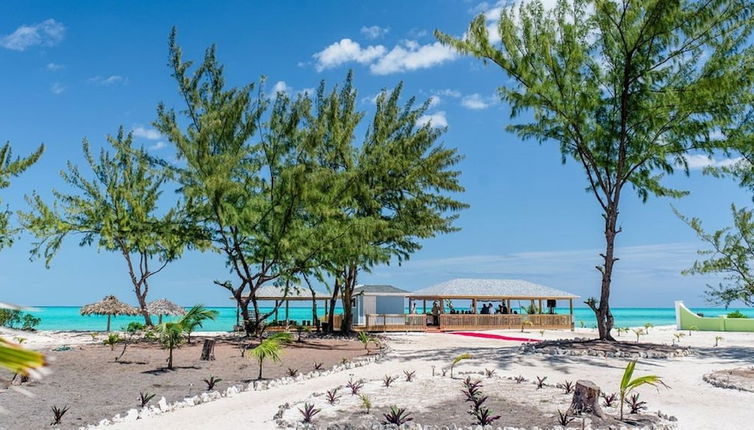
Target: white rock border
pixel 163 406
pixel 549 348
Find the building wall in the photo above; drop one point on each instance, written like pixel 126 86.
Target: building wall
pixel 389 304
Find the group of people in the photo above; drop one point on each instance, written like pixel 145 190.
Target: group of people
pixel 501 309
pixel 487 309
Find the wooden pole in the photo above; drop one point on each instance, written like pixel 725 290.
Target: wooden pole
pixel 570 306
pixel 108 323
pixel 473 305
pixel 424 306
pixel 276 310
pixel 540 306
pixel 286 311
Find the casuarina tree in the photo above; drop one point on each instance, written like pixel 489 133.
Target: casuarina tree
pixel 625 89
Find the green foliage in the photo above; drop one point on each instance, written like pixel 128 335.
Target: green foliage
pixel 211 382
pixel 736 314
pixel 397 416
pixel 638 332
pixel 144 398
pixel 627 384
pixel 12 167
pixel 366 402
pixel 270 349
pixel 114 207
pixel 13 318
pixel 458 359
pixel 625 89
pixel 135 327
pixel 19 360
pixel 196 317
pixel 57 414
pixel 112 340
pixel 170 335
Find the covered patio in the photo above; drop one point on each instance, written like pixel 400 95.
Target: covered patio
pixel 282 300
pixel 519 303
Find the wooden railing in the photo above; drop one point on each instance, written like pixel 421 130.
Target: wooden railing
pixel 503 321
pixel 395 322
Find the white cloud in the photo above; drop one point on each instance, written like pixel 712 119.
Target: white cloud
pixel 434 101
pixel 699 161
pixel 475 102
pixel 54 67
pixel 448 92
pixel 280 87
pixel 410 55
pixel 57 88
pixel 346 51
pixel 109 80
pixel 146 133
pixel 46 33
pixel 157 146
pixel 374 31
pixel 435 120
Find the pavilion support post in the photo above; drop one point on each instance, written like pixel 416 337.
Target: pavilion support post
pixel 442 306
pixel 532 304
pixel 473 305
pixel 424 306
pixel 108 323
pixel 570 307
pixel 540 306
pixel 276 310
pixel 286 311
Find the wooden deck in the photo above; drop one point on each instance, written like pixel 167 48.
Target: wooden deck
pixel 449 322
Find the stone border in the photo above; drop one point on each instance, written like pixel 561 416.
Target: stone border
pixel 550 347
pixel 163 406
pixel 713 379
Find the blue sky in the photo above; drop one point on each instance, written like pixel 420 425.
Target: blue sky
pixel 75 70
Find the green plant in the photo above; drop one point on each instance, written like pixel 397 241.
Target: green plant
pixel 344 360
pixel 292 372
pixel 564 418
pixel 489 372
pixel 567 386
pixel 519 379
pixel 397 416
pixel 332 396
pixel 472 388
pixel 171 337
pixel 647 326
pixel 135 327
pixel 542 333
pixel 692 328
pixel 638 332
pixel 300 329
pixel 366 402
pixel 318 366
pixel 9 317
pixel 582 324
pixel 608 399
pixel 355 386
pixel 29 322
pixel 18 359
pixel 364 338
pixel 387 380
pixel 456 360
pixel 211 382
pixel 635 405
pixel 19 340
pixel 94 335
pixel 718 339
pixel 736 314
pixel 196 317
pixel 483 415
pixel 270 348
pixel 540 382
pixel 627 384
pixel 409 375
pixel 678 336
pixel 525 323
pixel 112 340
pixel 308 413
pixel 57 414
pixel 144 398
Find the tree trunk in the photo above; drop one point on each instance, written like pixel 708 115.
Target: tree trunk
pixel 586 399
pixel 170 359
pixel 602 309
pixel 346 325
pixel 333 301
pixel 208 350
pixel 260 370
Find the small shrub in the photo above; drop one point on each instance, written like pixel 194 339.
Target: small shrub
pixel 355 386
pixel 693 328
pixel 647 326
pixel 397 416
pixel 638 332
pixel 564 418
pixel 444 371
pixel 608 399
pixel 634 404
pixel 318 366
pixel 292 372
pixel 567 386
pixel 456 360
pixel 144 398
pixel 134 327
pixel 94 335
pixel 736 314
pixel 366 402
pixel 29 322
pixel 112 340
pixel 308 413
pixel 387 380
pixel 540 382
pixel 211 382
pixel 409 375
pixel 19 340
pixel 472 389
pixel 343 360
pixel 678 336
pixel 332 396
pixel 519 379
pixel 489 372
pixel 364 338
pixel 57 414
pixel 484 416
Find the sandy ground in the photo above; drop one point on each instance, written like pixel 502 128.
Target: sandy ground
pixel 696 404
pixel 95 386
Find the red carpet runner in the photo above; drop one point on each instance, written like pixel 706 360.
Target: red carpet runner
pixel 494 336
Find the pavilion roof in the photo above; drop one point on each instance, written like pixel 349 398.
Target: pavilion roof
pixel 295 292
pixel 379 290
pixel 465 288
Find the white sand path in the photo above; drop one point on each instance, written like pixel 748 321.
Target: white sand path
pixel 696 404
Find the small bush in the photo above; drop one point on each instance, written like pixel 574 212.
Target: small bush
pixel 366 402
pixel 355 386
pixel 292 372
pixel 567 387
pixel 609 399
pixel 489 372
pixel 57 414
pixel 519 379
pixel 635 404
pixel 736 314
pixel 387 380
pixel 308 413
pixel 564 418
pixel 332 396
pixel 318 366
pixel 397 416
pixel 112 340
pixel 409 375
pixel 144 398
pixel 211 382
pixel 540 382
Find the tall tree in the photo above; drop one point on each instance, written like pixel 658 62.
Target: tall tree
pixel 394 185
pixel 248 176
pixel 117 208
pixel 626 89
pixel 12 167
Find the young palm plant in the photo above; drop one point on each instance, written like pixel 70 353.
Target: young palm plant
pixel 171 337
pixel 627 384
pixel 270 348
pixel 195 318
pixel 364 338
pixel 464 356
pixel 18 359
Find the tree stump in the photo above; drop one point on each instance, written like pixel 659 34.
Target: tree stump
pixel 586 399
pixel 208 350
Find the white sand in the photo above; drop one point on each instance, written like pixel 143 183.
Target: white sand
pixel 696 404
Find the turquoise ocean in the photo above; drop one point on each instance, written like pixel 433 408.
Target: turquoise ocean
pixel 68 318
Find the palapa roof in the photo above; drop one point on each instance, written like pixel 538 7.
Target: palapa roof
pixel 379 290
pixel 491 289
pixel 165 307
pixel 110 305
pixel 295 292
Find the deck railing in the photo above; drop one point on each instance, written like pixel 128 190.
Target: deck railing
pixel 395 322
pixel 503 321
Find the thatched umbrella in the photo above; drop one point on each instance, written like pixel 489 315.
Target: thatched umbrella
pixel 109 306
pixel 163 307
